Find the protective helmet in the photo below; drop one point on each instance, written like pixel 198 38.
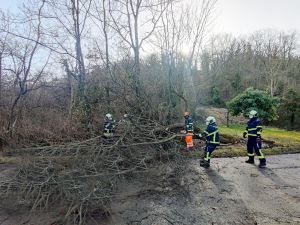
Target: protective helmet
pixel 210 120
pixel 252 114
pixel 186 114
pixel 108 116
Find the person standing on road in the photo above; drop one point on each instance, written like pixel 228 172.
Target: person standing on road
pixel 253 130
pixel 211 134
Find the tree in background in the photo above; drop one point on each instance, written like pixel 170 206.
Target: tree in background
pixel 291 107
pixel 261 101
pixel 215 96
pixel 19 61
pixel 67 26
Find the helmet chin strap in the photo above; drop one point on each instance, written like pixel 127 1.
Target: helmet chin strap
pixel 207 123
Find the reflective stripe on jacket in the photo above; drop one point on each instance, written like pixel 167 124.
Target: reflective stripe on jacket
pixel 212 134
pixel 254 127
pixel 109 126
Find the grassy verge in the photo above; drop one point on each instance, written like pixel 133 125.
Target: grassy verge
pixel 280 136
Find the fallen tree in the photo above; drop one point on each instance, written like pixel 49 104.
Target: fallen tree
pixel 83 176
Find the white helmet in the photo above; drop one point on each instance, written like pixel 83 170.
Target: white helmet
pixel 108 116
pixel 252 114
pixel 210 120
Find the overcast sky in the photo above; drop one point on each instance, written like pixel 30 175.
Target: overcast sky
pixel 240 16
pixel 245 16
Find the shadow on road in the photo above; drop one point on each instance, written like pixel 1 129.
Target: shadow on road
pixel 269 173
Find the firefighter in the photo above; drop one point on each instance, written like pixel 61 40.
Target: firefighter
pixel 211 134
pixel 253 130
pixel 109 126
pixel 189 131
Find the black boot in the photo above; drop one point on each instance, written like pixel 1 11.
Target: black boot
pixel 204 163
pixel 250 160
pixel 262 163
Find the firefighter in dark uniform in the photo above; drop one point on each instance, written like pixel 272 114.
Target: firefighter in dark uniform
pixel 211 134
pixel 109 126
pixel 253 130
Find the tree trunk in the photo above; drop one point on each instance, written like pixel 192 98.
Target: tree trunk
pixel 137 69
pixel 81 98
pixel 227 119
pixel 107 65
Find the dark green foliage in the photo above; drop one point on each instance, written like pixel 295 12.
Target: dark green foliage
pixel 236 83
pixel 291 106
pixel 261 101
pixel 215 96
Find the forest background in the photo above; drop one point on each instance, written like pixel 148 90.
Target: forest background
pixel 65 64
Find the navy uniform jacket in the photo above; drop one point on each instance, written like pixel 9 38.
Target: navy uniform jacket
pixel 254 127
pixel 189 124
pixel 109 126
pixel 212 134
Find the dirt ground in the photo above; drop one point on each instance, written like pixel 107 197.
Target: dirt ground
pixel 230 192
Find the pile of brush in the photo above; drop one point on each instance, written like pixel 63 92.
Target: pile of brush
pixel 82 176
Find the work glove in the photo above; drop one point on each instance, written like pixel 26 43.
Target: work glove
pixel 197 136
pixel 244 134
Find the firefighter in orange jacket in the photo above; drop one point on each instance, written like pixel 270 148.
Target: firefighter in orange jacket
pixel 189 131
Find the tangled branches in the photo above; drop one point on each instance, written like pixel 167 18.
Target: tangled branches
pixel 83 176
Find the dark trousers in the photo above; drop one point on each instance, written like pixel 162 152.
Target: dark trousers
pixel 253 145
pixel 209 148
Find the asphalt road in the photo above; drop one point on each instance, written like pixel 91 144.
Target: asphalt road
pixel 229 192
pixel 272 195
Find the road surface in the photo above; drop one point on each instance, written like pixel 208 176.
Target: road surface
pixel 230 192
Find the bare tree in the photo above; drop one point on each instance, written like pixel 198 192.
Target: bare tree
pixel 274 51
pixel 71 18
pixel 21 59
pixel 169 37
pixel 199 17
pixel 3 47
pixel 100 15
pixel 135 21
